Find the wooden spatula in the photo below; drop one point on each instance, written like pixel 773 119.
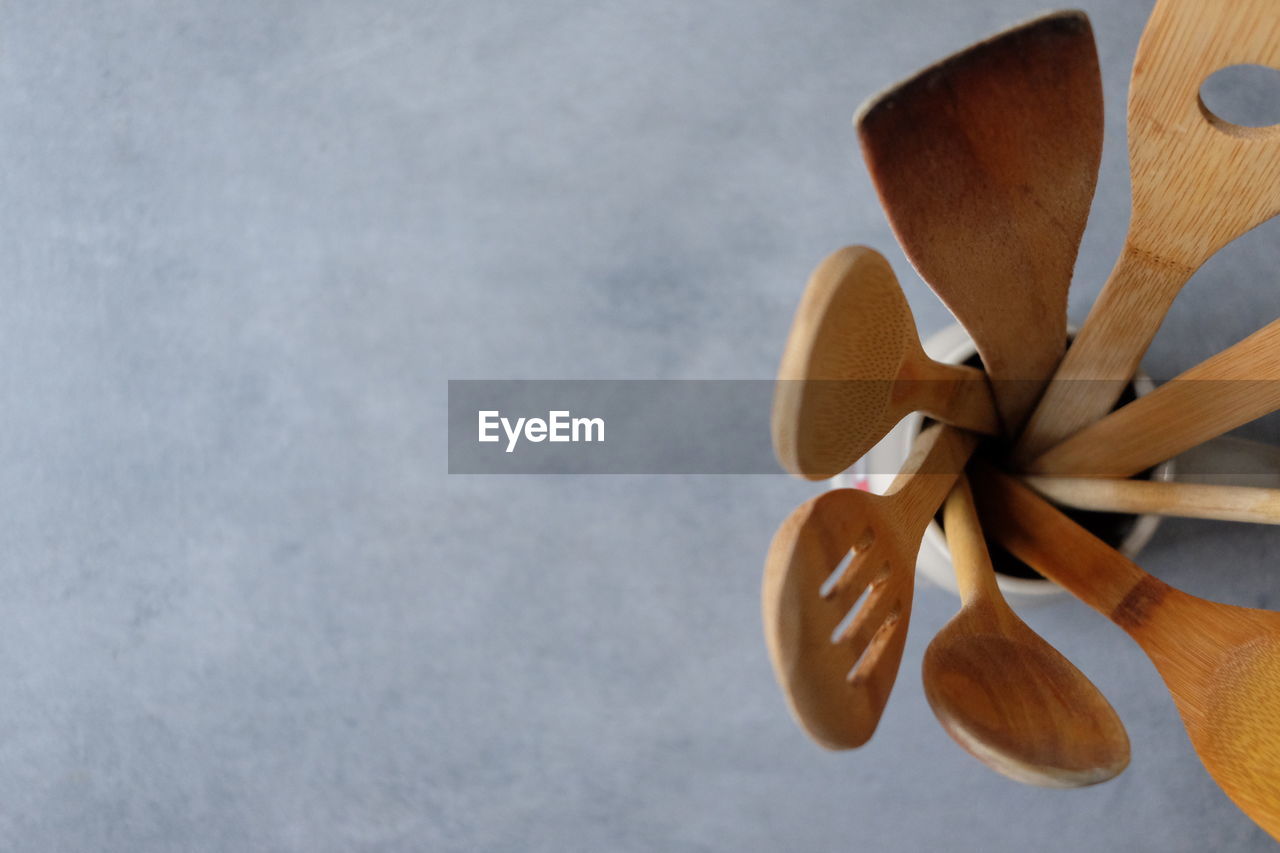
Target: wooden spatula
pixel 853 367
pixel 837 685
pixel 1198 183
pixel 1003 693
pixel 986 165
pixel 1221 663
pixel 1187 500
pixel 1238 385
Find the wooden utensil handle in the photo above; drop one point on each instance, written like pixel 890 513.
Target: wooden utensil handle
pixel 974 575
pixel 953 393
pixel 1188 500
pixel 1106 351
pixel 1238 385
pixel 1065 552
pixel 937 458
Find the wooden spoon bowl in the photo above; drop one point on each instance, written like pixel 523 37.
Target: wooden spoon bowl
pixel 853 367
pixel 1002 692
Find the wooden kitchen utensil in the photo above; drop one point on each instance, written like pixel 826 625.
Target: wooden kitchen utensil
pixel 1188 500
pixel 1002 692
pixel 1220 662
pixel 837 685
pixel 1238 385
pixel 986 164
pixel 1198 183
pixel 853 367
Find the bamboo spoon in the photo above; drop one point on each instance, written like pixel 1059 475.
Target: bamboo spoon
pixel 986 164
pixel 1238 385
pixel 1220 662
pixel 1198 183
pixel 837 686
pixel 853 367
pixel 1002 692
pixel 1188 500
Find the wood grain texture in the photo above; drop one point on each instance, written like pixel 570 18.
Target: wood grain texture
pixel 1187 500
pixel 1221 663
pixel 1232 388
pixel 986 165
pixel 853 367
pixel 1004 694
pixel 837 689
pixel 1198 183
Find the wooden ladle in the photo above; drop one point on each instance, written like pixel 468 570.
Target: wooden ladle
pixel 853 367
pixel 1002 692
pixel 1198 183
pixel 1221 663
pixel 837 666
pixel 986 165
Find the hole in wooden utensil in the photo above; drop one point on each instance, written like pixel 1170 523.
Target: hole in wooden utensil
pixel 832 579
pixel 1243 95
pixel 851 615
pixel 867 660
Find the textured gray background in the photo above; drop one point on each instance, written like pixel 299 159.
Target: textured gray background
pixel 242 606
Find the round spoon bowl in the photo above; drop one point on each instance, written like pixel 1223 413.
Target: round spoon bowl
pixel 996 695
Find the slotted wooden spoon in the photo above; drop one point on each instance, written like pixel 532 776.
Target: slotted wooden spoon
pixel 1198 183
pixel 986 165
pixel 853 367
pixel 1221 663
pixel 1238 385
pixel 1003 693
pixel 837 687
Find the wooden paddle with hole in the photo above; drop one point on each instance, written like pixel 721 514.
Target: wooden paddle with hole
pixel 853 367
pixel 986 164
pixel 837 688
pixel 1187 500
pixel 1198 183
pixel 1238 385
pixel 1003 693
pixel 1221 663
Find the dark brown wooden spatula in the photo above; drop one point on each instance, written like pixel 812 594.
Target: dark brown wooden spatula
pixel 986 164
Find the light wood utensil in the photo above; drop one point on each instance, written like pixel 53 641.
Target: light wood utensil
pixel 1220 662
pixel 1002 692
pixel 986 164
pixel 1198 183
pixel 1238 385
pixel 853 367
pixel 837 685
pixel 1188 500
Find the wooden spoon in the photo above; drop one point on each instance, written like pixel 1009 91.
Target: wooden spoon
pixel 1238 385
pixel 1198 183
pixel 1188 500
pixel 1220 662
pixel 986 165
pixel 853 367
pixel 1003 693
pixel 837 685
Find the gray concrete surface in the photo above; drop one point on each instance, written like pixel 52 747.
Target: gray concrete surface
pixel 243 607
